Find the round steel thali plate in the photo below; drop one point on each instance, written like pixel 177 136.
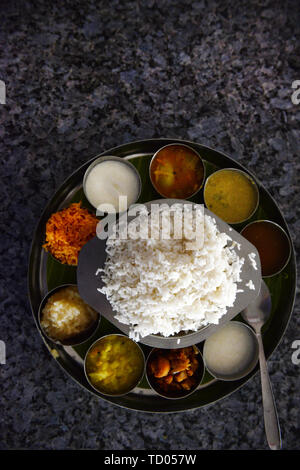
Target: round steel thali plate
pixel 45 274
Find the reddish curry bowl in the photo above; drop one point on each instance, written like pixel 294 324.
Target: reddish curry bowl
pixel 177 171
pixel 272 243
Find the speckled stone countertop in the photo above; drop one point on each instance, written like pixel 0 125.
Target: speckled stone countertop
pixel 82 77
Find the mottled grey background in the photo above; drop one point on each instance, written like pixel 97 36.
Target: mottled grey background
pixel 82 77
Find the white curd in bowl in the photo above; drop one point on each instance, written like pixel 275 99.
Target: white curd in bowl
pixel 113 185
pixel 231 352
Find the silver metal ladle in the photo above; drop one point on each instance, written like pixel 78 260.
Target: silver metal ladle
pixel 256 315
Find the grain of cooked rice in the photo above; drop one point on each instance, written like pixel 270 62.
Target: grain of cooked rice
pixel 250 285
pixel 251 257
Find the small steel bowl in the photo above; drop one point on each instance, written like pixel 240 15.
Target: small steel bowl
pixel 115 159
pixel 76 340
pixel 177 145
pixel 287 238
pixel 252 182
pixel 247 369
pixel 173 396
pixel 131 388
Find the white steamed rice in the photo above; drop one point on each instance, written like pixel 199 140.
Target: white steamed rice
pixel 159 287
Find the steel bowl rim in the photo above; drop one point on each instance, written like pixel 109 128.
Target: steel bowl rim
pixel 255 358
pixel 250 178
pixel 195 152
pixel 286 236
pixel 98 161
pixel 114 394
pixel 190 392
pixel 33 256
pixel 42 304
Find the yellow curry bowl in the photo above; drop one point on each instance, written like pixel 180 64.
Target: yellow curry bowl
pixel 114 365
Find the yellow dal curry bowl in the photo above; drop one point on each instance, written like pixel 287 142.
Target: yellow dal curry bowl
pixel 232 195
pixel 114 365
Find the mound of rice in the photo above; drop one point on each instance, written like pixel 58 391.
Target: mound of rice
pixel 157 286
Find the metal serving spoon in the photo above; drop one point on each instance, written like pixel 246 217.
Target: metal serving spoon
pixel 256 314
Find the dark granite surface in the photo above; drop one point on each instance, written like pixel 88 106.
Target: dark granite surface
pixel 82 77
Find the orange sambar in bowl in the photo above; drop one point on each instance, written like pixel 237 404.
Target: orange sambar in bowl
pixel 177 171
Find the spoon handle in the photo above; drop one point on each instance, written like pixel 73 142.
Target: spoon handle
pixel 270 414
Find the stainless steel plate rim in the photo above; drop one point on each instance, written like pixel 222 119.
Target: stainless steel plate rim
pixel 37 287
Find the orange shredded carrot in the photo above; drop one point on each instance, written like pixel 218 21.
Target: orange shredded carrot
pixel 67 231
